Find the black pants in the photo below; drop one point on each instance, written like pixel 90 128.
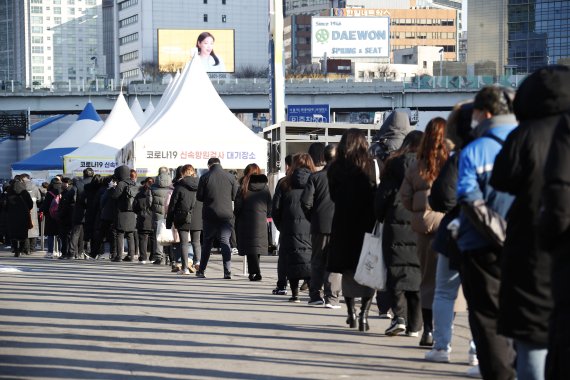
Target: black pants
pixel 223 230
pixel 104 232
pixel 407 304
pixel 253 263
pixel 383 301
pixel 481 280
pixel 282 271
pixel 65 237
pixel 76 241
pixel 320 277
pixel 196 245
pixel 120 243
pixel 144 238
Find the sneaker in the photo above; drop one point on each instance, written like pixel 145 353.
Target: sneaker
pixel 128 259
pixel 197 267
pixel 438 356
pixel 200 274
pixel 176 268
pixel 48 256
pixel 185 272
pixel 317 302
pixel 228 276
pixel 472 355
pixel 412 334
pixel 331 306
pixel 294 299
pixel 235 251
pixel 427 339
pixel 157 262
pixel 474 372
pixel 388 315
pixel 144 262
pixel 397 326
pixel 280 292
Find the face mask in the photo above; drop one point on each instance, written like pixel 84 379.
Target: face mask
pixel 474 123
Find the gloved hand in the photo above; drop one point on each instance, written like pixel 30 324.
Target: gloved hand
pixel 112 184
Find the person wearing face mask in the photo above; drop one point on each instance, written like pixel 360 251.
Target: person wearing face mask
pixel 493 121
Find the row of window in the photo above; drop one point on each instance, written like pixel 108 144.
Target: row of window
pixel 129 38
pixel 423 35
pixel 128 3
pixel 128 21
pixel 130 73
pixel 69 2
pixel 129 56
pixel 223 2
pixel 422 21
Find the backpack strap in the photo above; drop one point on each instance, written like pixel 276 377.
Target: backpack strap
pixel 497 139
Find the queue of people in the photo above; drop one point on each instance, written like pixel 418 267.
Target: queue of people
pixel 474 214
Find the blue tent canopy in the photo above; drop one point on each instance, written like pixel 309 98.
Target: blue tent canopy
pixel 44 160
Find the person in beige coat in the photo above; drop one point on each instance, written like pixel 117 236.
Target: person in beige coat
pixel 414 192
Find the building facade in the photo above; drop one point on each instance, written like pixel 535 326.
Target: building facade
pixel 487 30
pixel 538 34
pixel 48 41
pixel 139 23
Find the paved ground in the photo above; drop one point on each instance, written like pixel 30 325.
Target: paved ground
pixel 102 320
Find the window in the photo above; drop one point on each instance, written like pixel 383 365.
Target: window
pixel 71 11
pixel 37 69
pixel 37 29
pixel 37 40
pixel 56 10
pixel 57 1
pixel 38 59
pixel 129 38
pixel 128 21
pixel 90 2
pixel 57 20
pixel 36 10
pixel 71 2
pixel 425 64
pixel 224 18
pixel 129 56
pixel 127 4
pixel 205 1
pixel 130 73
pixel 205 16
pixel 37 49
pixel 36 1
pixel 37 20
pixel 223 2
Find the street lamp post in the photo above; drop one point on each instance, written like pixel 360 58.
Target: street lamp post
pixel 441 62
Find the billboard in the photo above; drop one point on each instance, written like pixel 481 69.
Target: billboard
pixel 175 46
pixel 350 37
pixel 309 112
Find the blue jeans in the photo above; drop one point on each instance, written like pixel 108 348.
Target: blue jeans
pixel 223 230
pixel 531 360
pixel 447 283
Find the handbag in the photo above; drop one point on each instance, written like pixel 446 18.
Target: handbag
pixel 164 236
pixel 371 269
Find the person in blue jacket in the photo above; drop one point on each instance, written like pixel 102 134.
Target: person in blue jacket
pixel 493 120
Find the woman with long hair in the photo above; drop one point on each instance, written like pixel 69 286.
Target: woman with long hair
pixel 352 184
pixel 416 186
pixel 180 211
pixel 399 240
pixel 205 46
pixel 294 228
pixel 252 207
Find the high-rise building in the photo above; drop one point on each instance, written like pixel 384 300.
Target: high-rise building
pixel 48 41
pixel 487 42
pixel 241 28
pixel 539 33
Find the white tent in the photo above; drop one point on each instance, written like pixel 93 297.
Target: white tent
pixel 149 110
pixel 50 159
pixel 99 153
pixel 193 126
pixel 138 112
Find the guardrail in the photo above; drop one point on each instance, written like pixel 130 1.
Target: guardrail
pixel 261 85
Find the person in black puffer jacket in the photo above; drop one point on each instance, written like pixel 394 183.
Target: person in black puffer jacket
pixel 294 228
pixel 161 191
pixel 142 207
pixel 104 220
pixel 18 204
pixel 399 240
pixel 252 207
pixel 180 210
pixel 554 229
pixel 125 218
pixel 525 298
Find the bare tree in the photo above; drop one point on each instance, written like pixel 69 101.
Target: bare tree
pixel 150 70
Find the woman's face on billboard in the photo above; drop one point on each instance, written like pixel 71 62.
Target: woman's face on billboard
pixel 206 46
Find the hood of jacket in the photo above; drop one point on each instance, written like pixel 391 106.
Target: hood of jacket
pixel 299 178
pixel 494 122
pixel 122 173
pixel 163 180
pixel 18 187
pixel 394 129
pixel 546 92
pixel 191 183
pixel 257 182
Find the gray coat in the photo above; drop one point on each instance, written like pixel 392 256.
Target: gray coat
pixel 36 196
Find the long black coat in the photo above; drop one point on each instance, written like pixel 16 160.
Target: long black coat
pixel 352 192
pixel 142 207
pixel 181 206
pixel 51 226
pixel 398 240
pixel 217 189
pixel 91 208
pixel 554 228
pixel 317 204
pixel 161 191
pixel 525 298
pixel 294 228
pixel 80 199
pixel 125 217
pixel 251 217
pixel 18 206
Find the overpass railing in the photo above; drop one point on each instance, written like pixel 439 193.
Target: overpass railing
pixel 261 85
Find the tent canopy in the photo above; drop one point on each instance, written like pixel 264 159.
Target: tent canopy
pixel 100 151
pixel 193 126
pixel 51 157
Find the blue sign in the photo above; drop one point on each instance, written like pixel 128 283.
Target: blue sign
pixel 309 112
